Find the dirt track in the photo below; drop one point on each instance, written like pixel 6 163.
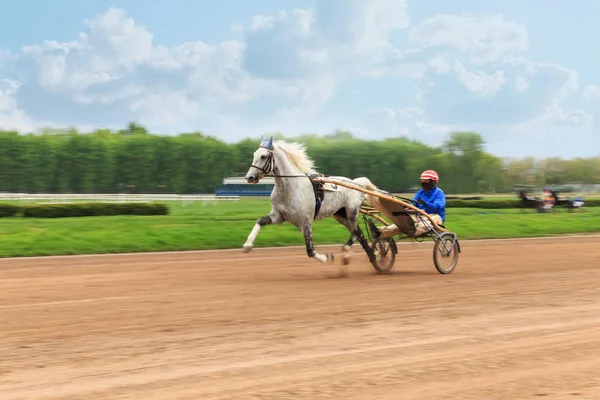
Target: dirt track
pixel 516 320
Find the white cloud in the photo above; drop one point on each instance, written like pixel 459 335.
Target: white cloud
pixel 361 27
pixel 113 46
pixel 485 39
pixel 579 118
pixel 540 92
pixel 591 93
pixel 521 84
pixel 4 55
pixel 283 47
pixel 288 72
pixel 164 109
pixel 317 49
pixel 8 88
pixel 410 121
pixel 115 62
pixel 486 52
pixel 563 83
pixel 478 82
pixel 464 43
pixel 11 117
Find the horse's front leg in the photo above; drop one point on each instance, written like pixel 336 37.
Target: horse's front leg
pixel 310 246
pixel 273 218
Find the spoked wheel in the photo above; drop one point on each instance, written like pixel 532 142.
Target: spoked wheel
pixel 445 252
pixel 385 254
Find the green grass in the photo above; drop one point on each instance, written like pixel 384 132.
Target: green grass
pixel 226 225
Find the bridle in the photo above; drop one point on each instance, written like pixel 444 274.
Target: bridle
pixel 268 167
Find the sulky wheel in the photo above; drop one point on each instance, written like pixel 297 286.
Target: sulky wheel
pixel 445 252
pixel 385 254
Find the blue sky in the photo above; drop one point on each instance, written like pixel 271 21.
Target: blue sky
pixel 524 74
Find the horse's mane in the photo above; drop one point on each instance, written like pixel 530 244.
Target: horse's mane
pixel 296 153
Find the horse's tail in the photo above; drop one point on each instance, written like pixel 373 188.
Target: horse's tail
pixel 365 183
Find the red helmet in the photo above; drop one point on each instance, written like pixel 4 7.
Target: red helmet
pixel 430 174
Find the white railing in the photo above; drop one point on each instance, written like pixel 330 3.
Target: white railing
pixel 117 197
pixel 240 180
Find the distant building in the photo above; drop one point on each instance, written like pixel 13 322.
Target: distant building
pixel 237 186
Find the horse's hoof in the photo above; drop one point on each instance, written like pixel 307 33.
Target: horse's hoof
pixel 346 258
pixel 247 249
pixel 330 257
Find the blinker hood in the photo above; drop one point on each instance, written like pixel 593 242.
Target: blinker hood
pixel 267 144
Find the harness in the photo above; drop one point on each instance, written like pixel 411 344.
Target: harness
pixel 319 193
pixel 269 167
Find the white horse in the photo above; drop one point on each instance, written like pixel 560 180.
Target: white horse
pixel 297 199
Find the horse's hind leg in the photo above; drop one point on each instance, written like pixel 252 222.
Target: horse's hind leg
pixel 351 223
pixel 310 246
pixel 274 218
pixel 342 218
pixel 357 234
pixel 365 244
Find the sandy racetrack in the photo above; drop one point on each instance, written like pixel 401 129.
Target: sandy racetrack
pixel 516 320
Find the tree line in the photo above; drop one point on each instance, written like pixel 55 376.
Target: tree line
pixel 134 160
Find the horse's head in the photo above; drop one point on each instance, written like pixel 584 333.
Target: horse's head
pixel 263 161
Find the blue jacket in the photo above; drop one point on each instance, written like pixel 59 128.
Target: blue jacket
pixel 435 202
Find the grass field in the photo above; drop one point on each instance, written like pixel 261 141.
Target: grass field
pixel 226 225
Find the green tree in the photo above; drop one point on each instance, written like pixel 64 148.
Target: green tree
pixel 133 159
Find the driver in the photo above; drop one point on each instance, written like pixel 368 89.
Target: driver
pixel 430 199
